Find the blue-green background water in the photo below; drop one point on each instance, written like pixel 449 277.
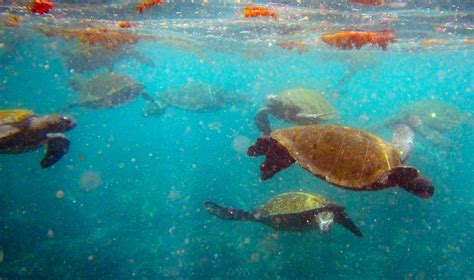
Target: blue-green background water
pixel 145 220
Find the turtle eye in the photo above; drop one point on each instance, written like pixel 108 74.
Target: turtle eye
pixel 68 121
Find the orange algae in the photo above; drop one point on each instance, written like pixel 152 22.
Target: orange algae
pixel 41 7
pixel 110 39
pixel 147 4
pixel 125 24
pixel 12 21
pixel 258 11
pixel 373 3
pixel 357 39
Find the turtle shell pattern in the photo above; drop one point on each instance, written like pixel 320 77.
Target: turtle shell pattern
pixel 340 155
pixel 195 97
pixel 308 101
pixel 104 86
pixel 434 114
pixel 14 116
pixel 293 202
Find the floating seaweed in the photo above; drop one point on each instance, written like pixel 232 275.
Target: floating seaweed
pixel 373 3
pixel 357 39
pixel 110 39
pixel 258 11
pixel 299 46
pixel 12 21
pixel 125 24
pixel 147 4
pixel 40 7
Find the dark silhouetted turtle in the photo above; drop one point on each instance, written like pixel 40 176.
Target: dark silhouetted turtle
pixel 298 106
pixel 195 97
pixel 343 156
pixel 431 119
pixel 292 211
pixel 23 131
pixel 107 90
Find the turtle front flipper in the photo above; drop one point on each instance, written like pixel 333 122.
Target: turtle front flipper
pixel 57 147
pixel 402 138
pixel 308 119
pixel 277 157
pixel 262 122
pixel 341 218
pixel 419 186
pixel 228 213
pixel 407 178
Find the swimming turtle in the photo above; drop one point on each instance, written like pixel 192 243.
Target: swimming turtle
pixel 24 131
pixel 298 106
pixel 343 156
pixel 196 97
pixel 431 119
pixel 107 90
pixel 292 211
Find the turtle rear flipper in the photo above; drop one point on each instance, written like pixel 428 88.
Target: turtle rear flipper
pixel 342 219
pixel 225 213
pixel 277 156
pixel 262 122
pixel 8 130
pixel 57 147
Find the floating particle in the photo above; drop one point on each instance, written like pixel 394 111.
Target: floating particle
pixel 60 194
pixel 90 180
pixel 50 233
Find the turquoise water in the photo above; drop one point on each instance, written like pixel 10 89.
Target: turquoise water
pixel 134 186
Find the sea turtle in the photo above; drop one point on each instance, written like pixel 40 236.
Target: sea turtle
pixel 298 106
pixel 196 97
pixel 24 131
pixel 292 211
pixel 107 90
pixel 431 119
pixel 343 156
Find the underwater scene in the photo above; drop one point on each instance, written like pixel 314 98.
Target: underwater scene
pixel 155 139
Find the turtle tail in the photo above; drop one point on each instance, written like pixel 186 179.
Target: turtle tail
pixel 228 213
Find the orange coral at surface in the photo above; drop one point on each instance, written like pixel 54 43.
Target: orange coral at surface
pixel 373 3
pixel 41 7
pixel 357 39
pixel 148 4
pixel 257 11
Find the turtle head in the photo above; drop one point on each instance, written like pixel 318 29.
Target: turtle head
pixel 273 100
pixel 60 123
pixel 325 221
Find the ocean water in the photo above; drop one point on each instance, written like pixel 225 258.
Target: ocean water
pixel 131 188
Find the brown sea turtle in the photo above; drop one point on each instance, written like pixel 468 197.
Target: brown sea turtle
pixel 298 106
pixel 292 211
pixel 343 156
pixel 23 131
pixel 195 97
pixel 107 90
pixel 431 119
